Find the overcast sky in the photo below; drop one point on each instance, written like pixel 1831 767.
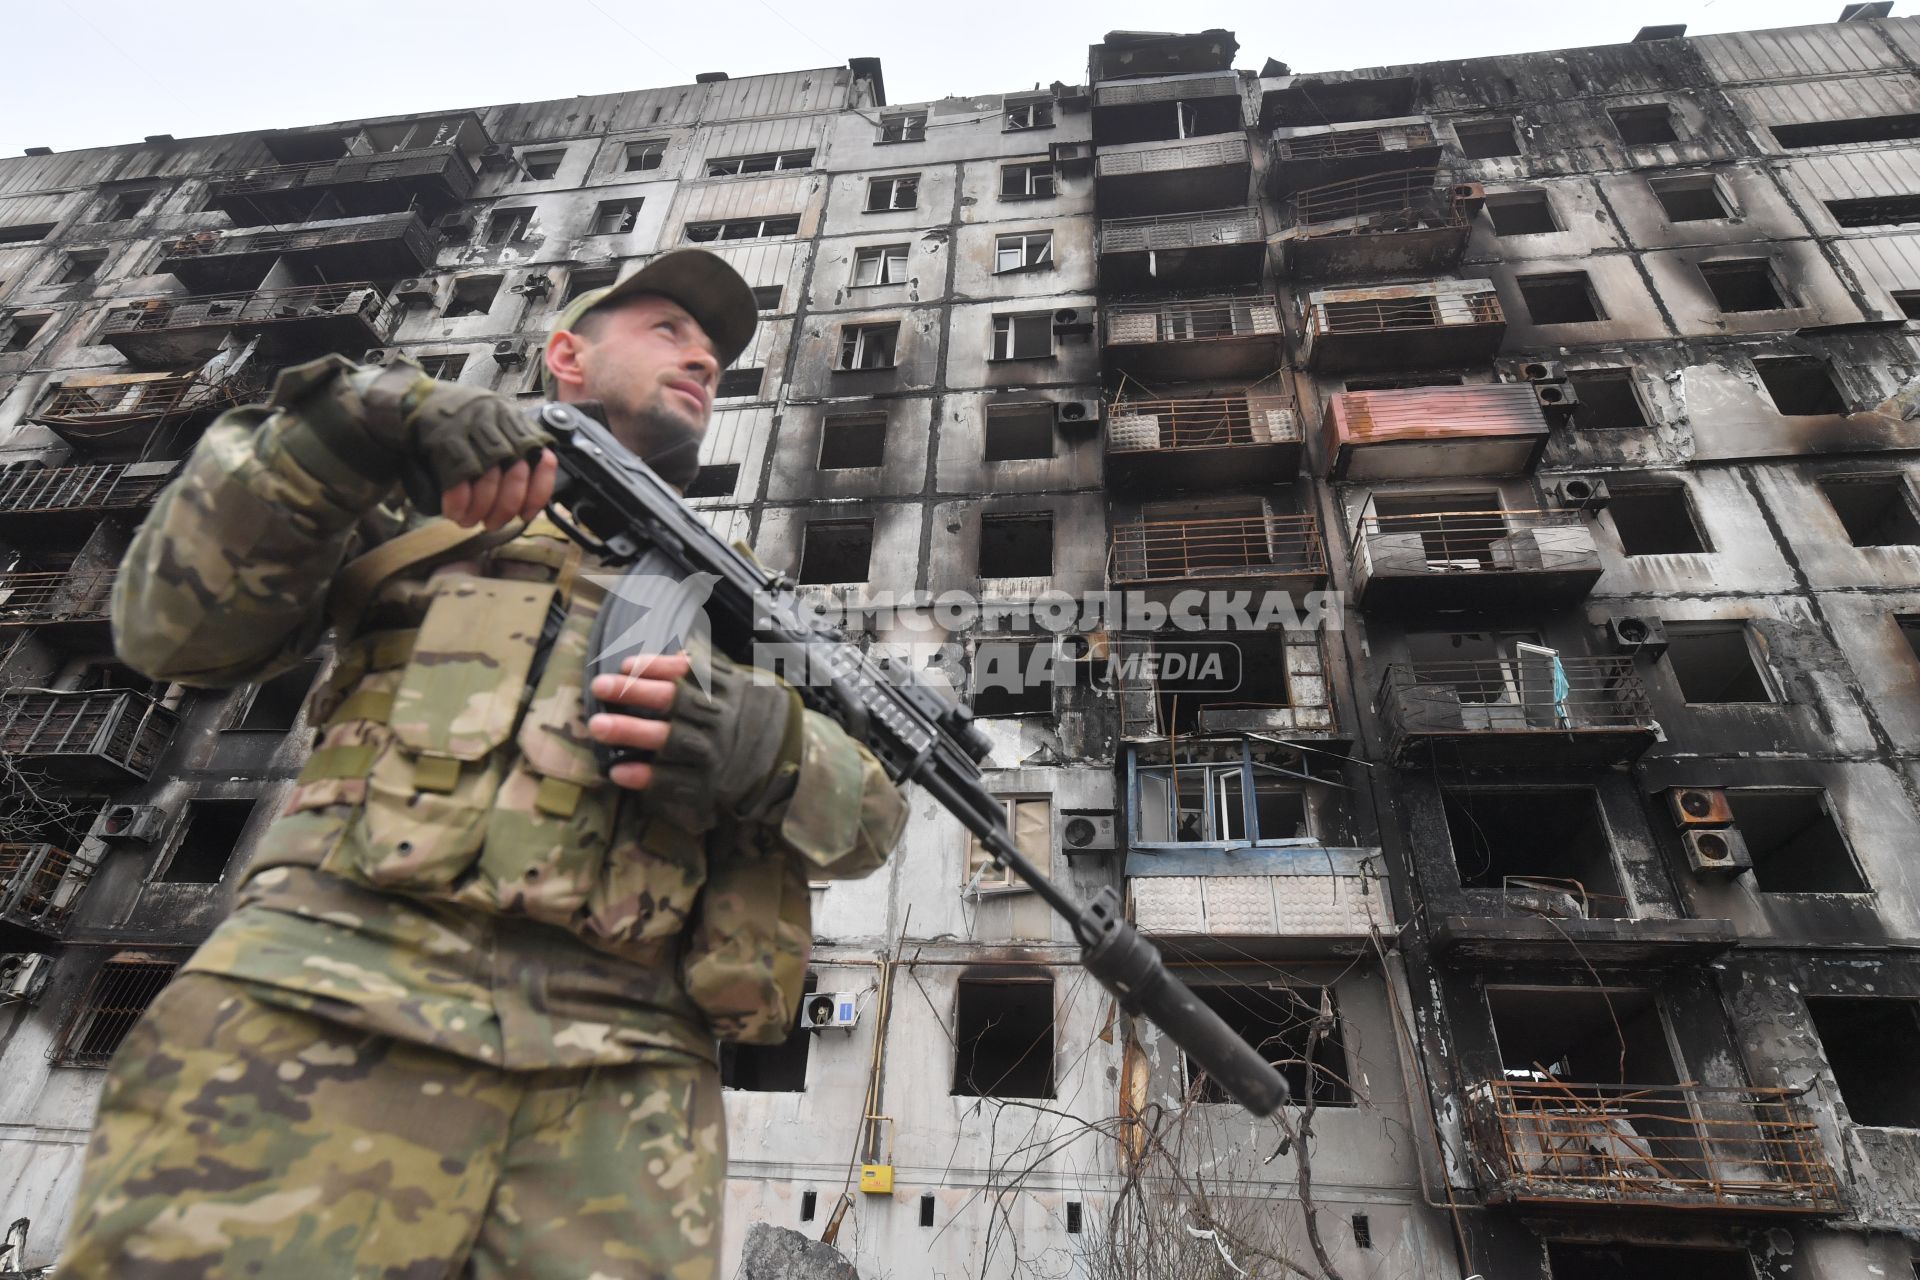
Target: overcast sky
pixel 97 72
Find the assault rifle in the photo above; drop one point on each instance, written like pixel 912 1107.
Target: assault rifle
pixel 619 510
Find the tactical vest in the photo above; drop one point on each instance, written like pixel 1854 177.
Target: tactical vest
pixel 451 738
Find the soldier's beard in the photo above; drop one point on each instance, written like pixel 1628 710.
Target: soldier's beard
pixel 664 439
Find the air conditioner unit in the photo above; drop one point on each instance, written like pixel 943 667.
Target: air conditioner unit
pixel 1087 831
pixel 1637 633
pixel 452 221
pixel 1557 400
pixel 1699 807
pixel 1578 493
pixel 830 1011
pixel 510 351
pixel 23 975
pixel 497 156
pixel 1076 413
pixel 129 822
pixel 378 355
pixel 1718 851
pixel 1074 322
pixel 1469 197
pixel 413 289
pixel 1543 371
pixel 1071 157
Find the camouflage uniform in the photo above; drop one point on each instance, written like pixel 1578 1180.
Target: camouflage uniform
pixel 461 1021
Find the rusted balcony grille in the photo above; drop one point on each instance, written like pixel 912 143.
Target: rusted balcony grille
pixel 1198 320
pixel 1172 157
pixel 1684 1146
pixel 248 308
pixel 1387 315
pixel 1548 692
pixel 109 402
pixel 111 726
pixel 1146 425
pixel 1399 201
pixel 1353 142
pixel 34 599
pixel 119 994
pixel 1169 231
pixel 206 244
pixel 380 167
pixel 1233 547
pixel 1473 541
pixel 103 488
pixel 40 885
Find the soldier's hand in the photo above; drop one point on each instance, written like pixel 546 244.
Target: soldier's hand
pixel 518 492
pixel 646 688
pixel 464 436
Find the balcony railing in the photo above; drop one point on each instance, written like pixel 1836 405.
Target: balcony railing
pixel 1476 542
pixel 40 885
pixel 1199 320
pixel 1682 1146
pixel 37 599
pixel 1339 144
pixel 251 309
pixel 1181 88
pixel 1402 200
pixel 1136 159
pixel 85 735
pixel 1230 547
pixel 47 490
pixel 1170 231
pixel 1536 707
pixel 93 407
pixel 1135 426
pixel 1396 314
pixel 384 166
pixel 207 244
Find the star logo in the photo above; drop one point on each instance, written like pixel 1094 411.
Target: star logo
pixel 651 613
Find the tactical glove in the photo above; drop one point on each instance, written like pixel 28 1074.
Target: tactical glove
pixel 732 750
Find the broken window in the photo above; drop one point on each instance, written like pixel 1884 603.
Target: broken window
pixel 766 297
pixel 880 264
pixel 208 842
pixel 582 279
pixel 836 551
pixel 1644 126
pixel 1545 853
pixel 739 383
pixel 1690 199
pixel 1026 181
pixel 1022 251
pixel 1030 819
pixel 1023 337
pixel 1840 133
pixel 1279 1022
pixel 1487 139
pixel 538 166
pixel 1581 1035
pixel 81 266
pixel 1868 1041
pixel 766 162
pixel 473 296
pixel 1003 1038
pixel 114 1001
pixel 1033 113
pixel 1876 510
pixel 715 480
pixel 1800 385
pixel 1521 213
pixel 1743 284
pixel 1207 804
pixel 26 232
pixel 644 154
pixel 1795 843
pixel 276 703
pixel 1562 297
pixel 903 126
pixel 508 226
pixel 770 1068
pixel 1606 400
pixel 868 346
pixel 615 217
pixel 902 191
pixel 18 333
pixel 1012 678
pixel 1715 664
pixel 1656 521
pixel 1876 211
pixel 1487 668
pixel 1908 300
pixel 121 205
pixel 1016 546
pixel 1910 632
pixel 1017 431
pixel 744 229
pixel 850 440
pixel 444 368
pixel 1569 1261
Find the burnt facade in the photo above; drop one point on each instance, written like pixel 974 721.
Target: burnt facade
pixel 1556 838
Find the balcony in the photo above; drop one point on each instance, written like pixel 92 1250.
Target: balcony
pixel 1538 709
pixel 60 600
pixel 328 317
pixel 1405 557
pixel 430 178
pixel 1401 223
pixel 1163 107
pixel 1171 176
pixel 379 248
pixel 1549 922
pixel 1691 1147
pixel 1216 249
pixel 1295 899
pixel 1128 56
pixel 1315 155
pixel 108 735
pixel 34 496
pixel 1204 443
pixel 106 412
pixel 1195 338
pixel 1183 689
pixel 1419 433
pixel 1283 552
pixel 1290 102
pixel 1445 323
pixel 40 885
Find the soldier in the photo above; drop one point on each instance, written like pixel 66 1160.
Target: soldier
pixel 461 1021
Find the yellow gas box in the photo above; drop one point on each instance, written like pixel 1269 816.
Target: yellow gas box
pixel 876 1179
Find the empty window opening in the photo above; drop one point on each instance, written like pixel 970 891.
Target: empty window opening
pixel 740 384
pixel 766 162
pixel 1023 337
pixel 1867 1041
pixel 1016 431
pixel 1487 139
pixel 538 166
pixel 1876 211
pixel 1073 1218
pixel 1026 181
pixel 715 480
pixel 905 126
pixel 808 1201
pixel 853 440
pixel 880 264
pixel 1877 511
pixel 1840 133
pixel 1536 853
pixel 770 1068
pixel 207 844
pixel 1012 678
pixel 836 551
pixel 899 192
pixel 1362 1231
pixel 1457 531
pixel 1606 400
pixel 121 206
pixel 1024 251
pixel 615 217
pixel 1910 632
pixel 1581 1035
pixel 1521 213
pixel 444 368
pixel 643 155
pixel 1800 385
pixel 26 232
pixel 276 703
pixel 1745 284
pixel 1695 199
pixel 1016 546
pixel 1644 126
pixel 744 229
pixel 1034 113
pixel 1908 300
pixel 1795 844
pixel 1656 521
pixel 508 226
pixel 82 266
pixel 1003 1039
pixel 1279 1021
pixel 18 333
pixel 1564 297
pixel 581 279
pixel 926 1211
pixel 766 297
pixel 1715 664
pixel 868 346
pixel 114 1001
pixel 1645 1262
pixel 473 296
pixel 1030 818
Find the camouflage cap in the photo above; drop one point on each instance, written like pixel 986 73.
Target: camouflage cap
pixel 704 283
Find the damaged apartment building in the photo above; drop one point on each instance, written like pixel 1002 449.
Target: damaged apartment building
pixel 1567 870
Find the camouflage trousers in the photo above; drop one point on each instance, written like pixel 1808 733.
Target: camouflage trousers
pixel 237 1138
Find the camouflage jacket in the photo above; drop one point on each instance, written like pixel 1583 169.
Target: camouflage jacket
pixel 451 867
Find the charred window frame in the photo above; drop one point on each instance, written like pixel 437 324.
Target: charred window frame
pixel 1656 520
pixel 273 706
pixel 744 229
pixel 616 217
pixel 1560 297
pixel 850 441
pixel 1012 678
pixel 1003 1038
pixel 1715 663
pixel 18 331
pixel 903 126
pixel 1489 139
pixel 473 296
pixel 1800 386
pixel 118 206
pixel 1863 1037
pixel 1279 1022
pixel 1521 213
pixel 1607 400
pixel 538 166
pixel 1877 211
pixel 835 551
pixel 764 162
pixel 1741 285
pixel 740 384
pixel 1796 841
pixel 1841 133
pixel 1019 430
pixel 1016 545
pixel 81 266
pixel 119 993
pixel 508 226
pixel 868 346
pixel 715 480
pixel 581 279
pixel 26 232
pixel 1027 113
pixel 1645 125
pixel 893 193
pixel 204 848
pixel 1027 181
pixel 1691 198
pixel 1876 511
pixel 643 155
